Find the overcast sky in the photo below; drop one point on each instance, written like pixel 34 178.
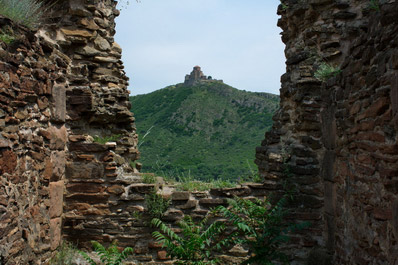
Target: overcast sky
pixel 234 40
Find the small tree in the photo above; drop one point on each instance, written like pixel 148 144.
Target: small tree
pixel 197 244
pixel 262 228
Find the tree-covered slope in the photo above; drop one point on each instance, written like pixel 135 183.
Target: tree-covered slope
pixel 206 131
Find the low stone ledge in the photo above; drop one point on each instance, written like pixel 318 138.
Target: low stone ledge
pixel 180 195
pixel 87 147
pixel 231 192
pixel 212 202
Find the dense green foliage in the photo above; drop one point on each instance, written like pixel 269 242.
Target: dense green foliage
pixel 209 131
pixel 262 226
pixel 25 12
pixel 197 243
pixel 108 256
pixel 156 205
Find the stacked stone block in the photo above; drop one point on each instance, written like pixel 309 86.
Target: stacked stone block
pixel 33 140
pixel 334 141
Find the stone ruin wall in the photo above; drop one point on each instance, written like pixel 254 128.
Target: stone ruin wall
pixel 32 147
pixel 97 104
pixel 335 142
pixel 60 86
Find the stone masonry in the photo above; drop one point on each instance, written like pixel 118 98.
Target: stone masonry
pixel 335 141
pixel 32 146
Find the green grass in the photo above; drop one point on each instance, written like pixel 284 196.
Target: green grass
pixel 105 139
pixel 148 178
pixel 66 254
pixel 25 12
pixel 209 131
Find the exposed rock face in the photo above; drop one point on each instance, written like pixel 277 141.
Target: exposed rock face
pixel 335 141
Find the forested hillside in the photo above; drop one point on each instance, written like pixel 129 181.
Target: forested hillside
pixel 205 131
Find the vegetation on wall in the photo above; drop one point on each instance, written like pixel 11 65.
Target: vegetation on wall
pixel 25 12
pixel 206 132
pixel 326 71
pixel 156 205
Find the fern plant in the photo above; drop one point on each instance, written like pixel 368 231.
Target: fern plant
pixel 197 244
pixel 108 256
pixel 262 228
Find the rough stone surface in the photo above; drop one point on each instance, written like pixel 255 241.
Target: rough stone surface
pixel 335 140
pixel 32 148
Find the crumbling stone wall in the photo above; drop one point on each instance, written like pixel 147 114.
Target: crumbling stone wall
pixel 97 106
pixel 32 146
pixel 335 141
pixel 59 90
pixel 135 219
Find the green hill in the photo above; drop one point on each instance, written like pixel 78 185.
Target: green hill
pixel 205 131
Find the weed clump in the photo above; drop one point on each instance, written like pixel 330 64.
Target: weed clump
pixel 104 140
pixel 326 71
pixel 24 12
pixel 156 204
pixel 6 38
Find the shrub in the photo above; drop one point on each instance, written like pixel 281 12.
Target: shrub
pixel 108 256
pixel 148 178
pixel 25 12
pixel 262 228
pixel 197 243
pixel 326 71
pixel 156 204
pixel 65 255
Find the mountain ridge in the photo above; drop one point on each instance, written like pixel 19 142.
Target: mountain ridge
pixel 207 130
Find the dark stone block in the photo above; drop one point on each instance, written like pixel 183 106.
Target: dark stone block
pixel 87 147
pixel 89 198
pixel 344 15
pixel 298 57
